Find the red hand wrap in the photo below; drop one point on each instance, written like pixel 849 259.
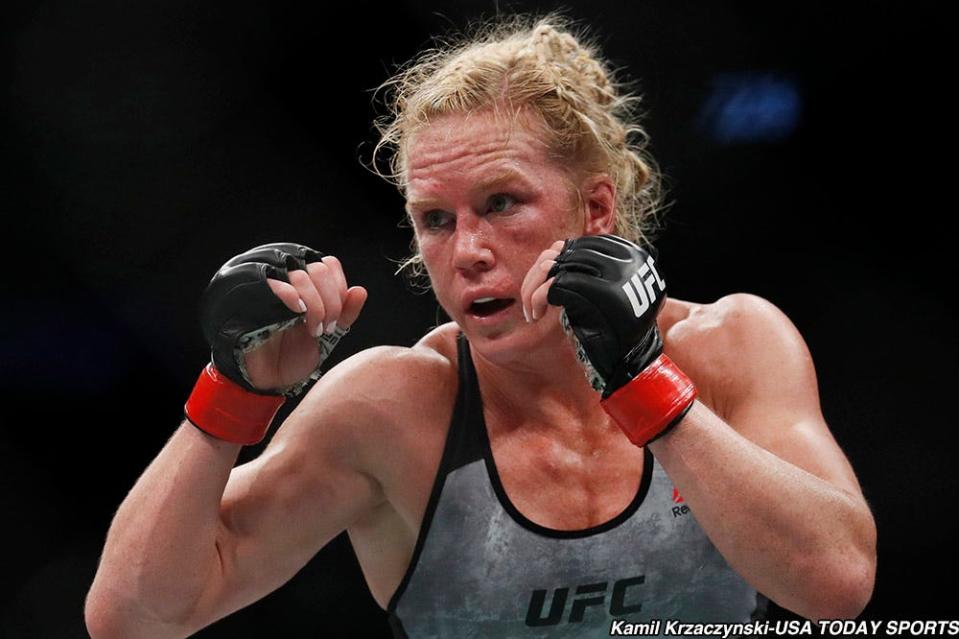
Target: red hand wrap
pixel 228 411
pixel 652 401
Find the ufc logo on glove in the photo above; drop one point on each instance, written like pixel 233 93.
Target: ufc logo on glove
pixel 639 289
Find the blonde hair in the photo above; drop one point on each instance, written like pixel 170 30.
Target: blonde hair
pixel 589 120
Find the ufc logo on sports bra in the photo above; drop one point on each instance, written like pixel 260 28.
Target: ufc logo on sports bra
pixel 640 290
pixel 621 602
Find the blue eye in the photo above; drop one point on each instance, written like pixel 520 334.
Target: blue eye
pixel 501 202
pixel 435 219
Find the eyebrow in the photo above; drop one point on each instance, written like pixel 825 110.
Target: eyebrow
pixel 506 174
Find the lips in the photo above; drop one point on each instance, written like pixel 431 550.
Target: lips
pixel 487 306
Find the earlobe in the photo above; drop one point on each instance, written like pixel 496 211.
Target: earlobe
pixel 599 195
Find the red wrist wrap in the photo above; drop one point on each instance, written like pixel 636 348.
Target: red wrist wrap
pixel 227 411
pixel 652 401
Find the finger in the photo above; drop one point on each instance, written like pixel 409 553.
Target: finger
pixel 538 301
pixel 326 284
pixel 287 294
pixel 316 310
pixel 336 270
pixel 355 299
pixel 531 280
pixel 338 277
pixel 535 277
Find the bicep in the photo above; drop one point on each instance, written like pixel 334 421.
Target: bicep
pixel 804 441
pixel 776 398
pixel 280 509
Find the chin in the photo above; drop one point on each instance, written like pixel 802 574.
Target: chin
pixel 515 340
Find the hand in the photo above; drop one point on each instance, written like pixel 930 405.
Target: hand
pixel 536 284
pixel 611 293
pixel 274 313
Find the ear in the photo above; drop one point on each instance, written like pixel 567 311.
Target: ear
pixel 599 198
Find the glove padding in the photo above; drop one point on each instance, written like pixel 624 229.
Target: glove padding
pixel 239 311
pixel 611 293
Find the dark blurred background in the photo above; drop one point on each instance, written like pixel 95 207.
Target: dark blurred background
pixel 808 148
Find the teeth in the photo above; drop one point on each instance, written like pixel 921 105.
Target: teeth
pixel 483 300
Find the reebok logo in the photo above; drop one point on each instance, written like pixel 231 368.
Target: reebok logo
pixel 640 290
pixel 682 508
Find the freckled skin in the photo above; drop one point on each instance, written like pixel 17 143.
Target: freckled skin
pixel 754 458
pixel 759 405
pixel 478 246
pixel 560 458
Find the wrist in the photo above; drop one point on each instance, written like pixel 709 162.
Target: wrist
pixel 652 402
pixel 225 410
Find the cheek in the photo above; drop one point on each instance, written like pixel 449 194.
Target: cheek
pixel 548 226
pixel 433 260
pixel 430 250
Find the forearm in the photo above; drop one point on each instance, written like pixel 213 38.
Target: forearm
pixel 802 541
pixel 161 550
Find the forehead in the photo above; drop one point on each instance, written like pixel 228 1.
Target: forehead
pixel 467 145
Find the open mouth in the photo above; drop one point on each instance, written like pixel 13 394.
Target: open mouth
pixel 486 306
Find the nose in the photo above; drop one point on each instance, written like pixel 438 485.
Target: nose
pixel 472 250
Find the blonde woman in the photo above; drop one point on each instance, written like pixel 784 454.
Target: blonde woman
pixel 573 454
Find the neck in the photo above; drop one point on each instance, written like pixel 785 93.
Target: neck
pixel 545 387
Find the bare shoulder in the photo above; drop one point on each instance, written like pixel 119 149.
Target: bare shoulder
pixel 740 347
pixel 737 317
pixel 378 398
pixel 380 384
pixel 753 368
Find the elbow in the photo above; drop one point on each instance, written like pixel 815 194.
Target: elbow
pixel 855 573
pixel 860 583
pixel 101 619
pixel 108 616
pixel 842 589
pixel 850 592
pixel 846 577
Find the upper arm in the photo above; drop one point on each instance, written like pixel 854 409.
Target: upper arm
pixel 312 481
pixel 767 380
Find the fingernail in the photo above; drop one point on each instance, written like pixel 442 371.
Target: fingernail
pixel 319 329
pixel 331 328
pixel 534 314
pixel 302 306
pixel 525 315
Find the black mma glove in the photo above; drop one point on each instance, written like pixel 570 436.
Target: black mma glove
pixel 238 311
pixel 611 292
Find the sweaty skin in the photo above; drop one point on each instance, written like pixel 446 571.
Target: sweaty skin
pixel 754 458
